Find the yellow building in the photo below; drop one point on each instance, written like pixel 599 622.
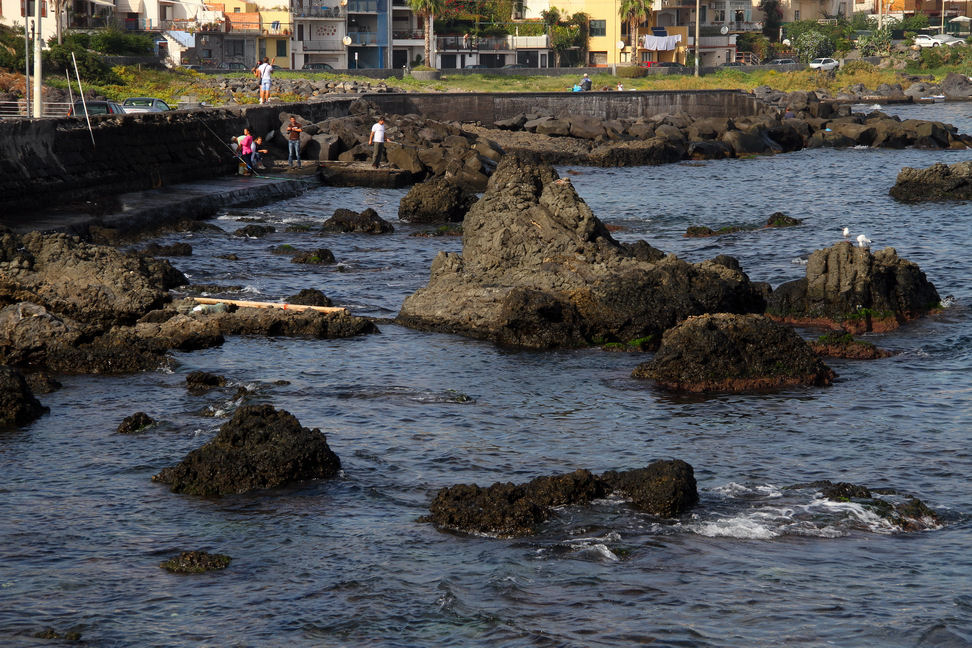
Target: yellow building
pixel 605 29
pixel 275 35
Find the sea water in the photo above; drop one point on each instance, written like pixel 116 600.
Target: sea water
pixel 344 562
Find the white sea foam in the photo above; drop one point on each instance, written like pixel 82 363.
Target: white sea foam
pixel 743 526
pixel 733 489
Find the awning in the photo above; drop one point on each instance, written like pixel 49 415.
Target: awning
pixel 103 3
pixel 960 19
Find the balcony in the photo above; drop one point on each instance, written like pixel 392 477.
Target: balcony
pixel 276 28
pixel 363 38
pixel 334 45
pixel 190 25
pixel 366 6
pixel 501 44
pixel 677 4
pixel 331 13
pixel 740 26
pixel 408 34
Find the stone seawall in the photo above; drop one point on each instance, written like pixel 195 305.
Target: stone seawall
pixel 48 162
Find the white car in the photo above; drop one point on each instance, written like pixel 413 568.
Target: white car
pixel 924 40
pixel 947 39
pixel 826 64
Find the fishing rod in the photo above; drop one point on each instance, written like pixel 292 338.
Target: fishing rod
pixel 238 156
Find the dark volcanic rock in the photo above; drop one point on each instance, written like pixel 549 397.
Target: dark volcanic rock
pixel 176 249
pixel 276 321
pixel 195 562
pixel 539 270
pixel 848 287
pixel 200 382
pixel 309 297
pixel 135 423
pixel 320 256
pixel 260 447
pixel 937 182
pixel 843 345
pixel 725 352
pixel 438 200
pixel 664 488
pixel 779 219
pixel 905 512
pixel 255 231
pixel 17 404
pixel 367 222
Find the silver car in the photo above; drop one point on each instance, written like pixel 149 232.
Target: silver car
pixel 144 104
pixel 826 64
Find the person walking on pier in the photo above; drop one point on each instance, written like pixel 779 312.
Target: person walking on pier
pixel 377 138
pixel 264 71
pixel 293 142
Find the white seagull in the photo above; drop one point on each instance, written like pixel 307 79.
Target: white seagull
pixel 846 232
pixel 863 241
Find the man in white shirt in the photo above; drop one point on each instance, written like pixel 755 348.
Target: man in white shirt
pixel 377 138
pixel 264 70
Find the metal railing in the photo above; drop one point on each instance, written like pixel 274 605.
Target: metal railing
pixel 321 12
pixel 366 6
pixel 18 109
pixel 363 38
pixel 409 34
pixel 322 45
pixel 502 43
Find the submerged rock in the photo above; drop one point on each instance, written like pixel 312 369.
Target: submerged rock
pixel 195 562
pixel 937 182
pixel 725 352
pixel 848 287
pixel 309 297
pixel 843 345
pixel 17 404
pixel 664 488
pixel 200 382
pixel 260 447
pixel 366 222
pixel 135 423
pixel 539 270
pixel 905 512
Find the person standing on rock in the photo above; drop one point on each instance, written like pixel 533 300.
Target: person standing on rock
pixel 264 70
pixel 377 138
pixel 246 150
pixel 293 142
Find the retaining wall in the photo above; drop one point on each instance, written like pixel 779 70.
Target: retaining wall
pixel 47 162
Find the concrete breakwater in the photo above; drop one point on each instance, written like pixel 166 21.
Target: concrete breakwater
pixel 50 162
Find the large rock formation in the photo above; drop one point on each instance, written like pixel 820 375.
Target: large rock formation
pixel 937 182
pixel 539 270
pixel 725 352
pixel 260 447
pixel 851 288
pixel 17 403
pixel 663 488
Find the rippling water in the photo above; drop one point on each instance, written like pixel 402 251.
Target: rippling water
pixel 344 562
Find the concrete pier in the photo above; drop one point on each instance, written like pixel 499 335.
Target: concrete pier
pixel 133 212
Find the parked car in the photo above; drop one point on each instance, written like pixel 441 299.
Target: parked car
pixel 95 108
pixel 924 40
pixel 732 64
pixel 780 61
pixel 144 104
pixel 317 66
pixel 191 67
pixel 233 66
pixel 825 64
pixel 948 39
pixel 513 66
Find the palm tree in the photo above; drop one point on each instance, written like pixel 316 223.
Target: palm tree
pixel 635 12
pixel 427 9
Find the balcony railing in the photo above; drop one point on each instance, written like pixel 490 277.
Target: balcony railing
pixel 740 25
pixel 408 34
pixel 322 45
pixel 363 38
pixel 190 25
pixel 321 12
pixel 507 43
pixel 366 6
pixel 675 4
pixel 243 27
pixel 277 28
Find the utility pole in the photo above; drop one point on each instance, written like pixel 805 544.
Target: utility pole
pixel 698 11
pixel 38 101
pixel 26 67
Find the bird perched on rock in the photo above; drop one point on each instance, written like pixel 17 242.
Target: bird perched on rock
pixel 846 232
pixel 863 241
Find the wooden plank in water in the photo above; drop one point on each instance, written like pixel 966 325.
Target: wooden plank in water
pixel 254 304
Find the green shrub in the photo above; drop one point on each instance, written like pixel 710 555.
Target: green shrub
pixel 90 66
pixel 812 44
pixel 119 43
pixel 630 72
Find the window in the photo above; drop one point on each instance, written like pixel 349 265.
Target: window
pixel 796 14
pixel 206 53
pixel 740 16
pixel 718 15
pixel 598 28
pixel 281 48
pixel 234 48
